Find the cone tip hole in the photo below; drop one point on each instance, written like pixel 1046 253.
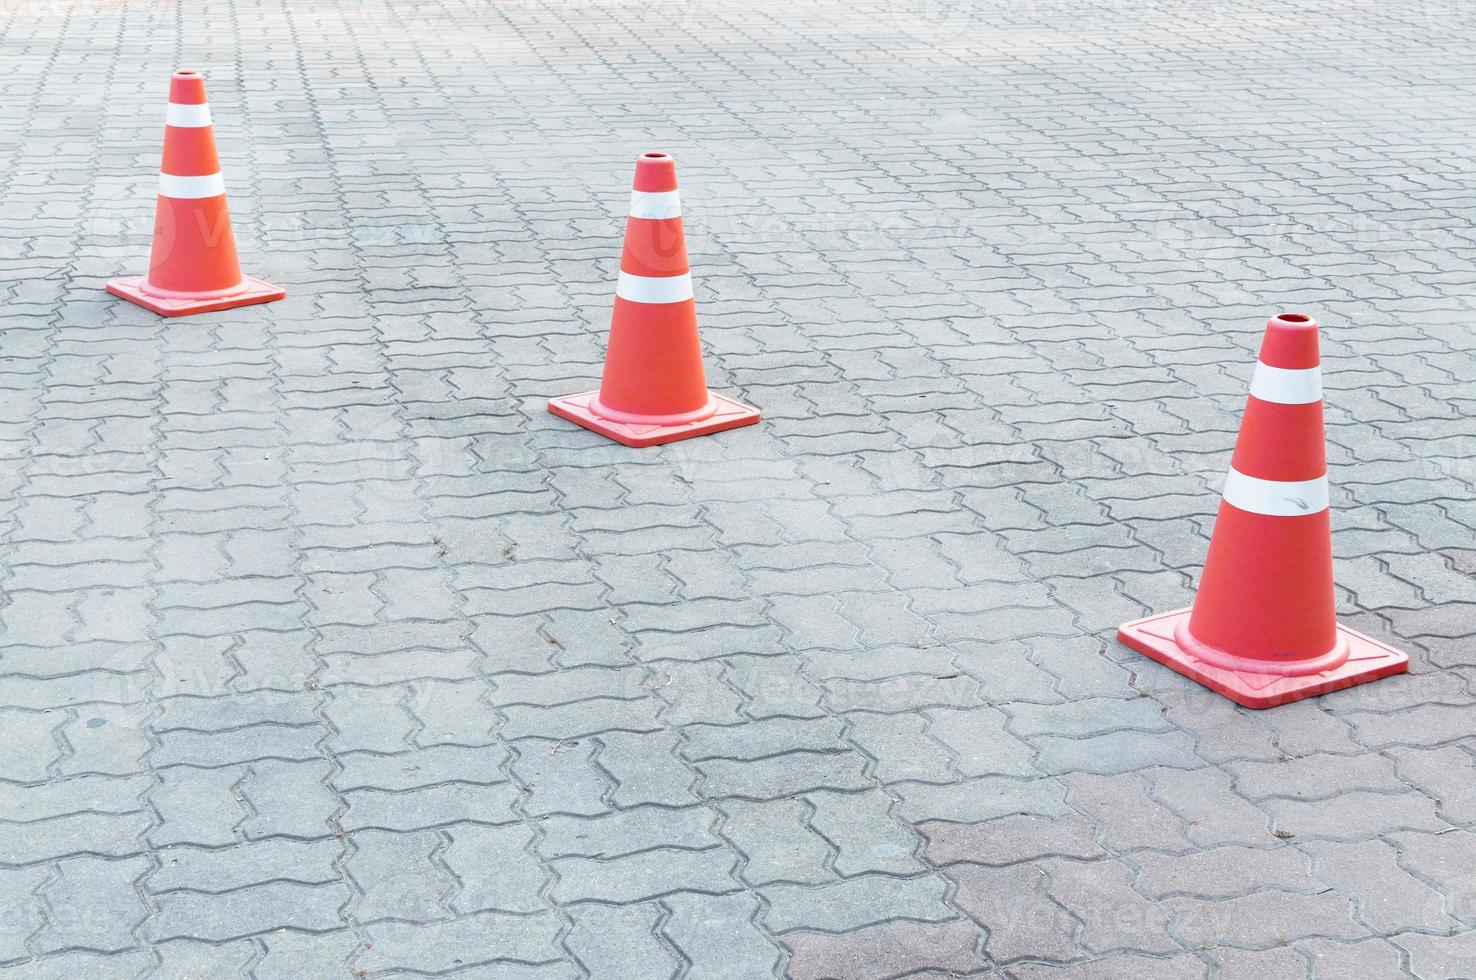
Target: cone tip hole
pixel 654 156
pixel 186 71
pixel 1294 318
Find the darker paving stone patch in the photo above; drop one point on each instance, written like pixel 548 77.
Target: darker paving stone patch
pixel 1120 966
pixel 1264 919
pixel 1014 905
pixel 1223 872
pixel 1008 840
pixel 880 952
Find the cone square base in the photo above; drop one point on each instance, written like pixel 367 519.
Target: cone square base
pixel 730 414
pixel 255 291
pixel 1368 660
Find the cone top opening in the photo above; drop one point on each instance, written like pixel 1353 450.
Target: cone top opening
pixel 1290 342
pixel 187 88
pixel 655 172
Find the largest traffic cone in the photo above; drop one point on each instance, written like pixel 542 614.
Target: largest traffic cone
pixel 193 266
pixel 653 389
pixel 1262 630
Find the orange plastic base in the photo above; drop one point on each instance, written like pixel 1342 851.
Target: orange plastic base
pixel 254 291
pixel 729 415
pixel 1368 660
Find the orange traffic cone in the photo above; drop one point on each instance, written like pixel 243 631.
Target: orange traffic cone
pixel 193 267
pixel 653 389
pixel 1262 630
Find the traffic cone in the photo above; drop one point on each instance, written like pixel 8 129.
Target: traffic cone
pixel 653 389
pixel 1262 630
pixel 193 266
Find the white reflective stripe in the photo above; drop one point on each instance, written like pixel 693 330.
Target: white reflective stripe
pixel 655 204
pixel 1276 498
pixel 654 289
pixel 172 185
pixel 190 116
pixel 1287 386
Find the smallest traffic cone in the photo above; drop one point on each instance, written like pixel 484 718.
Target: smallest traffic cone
pixel 193 266
pixel 1262 630
pixel 653 390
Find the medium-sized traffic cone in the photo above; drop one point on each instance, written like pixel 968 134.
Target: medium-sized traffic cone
pixel 1262 630
pixel 653 389
pixel 193 266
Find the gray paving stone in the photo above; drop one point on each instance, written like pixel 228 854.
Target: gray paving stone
pixel 1264 919
pixel 494 869
pixel 645 875
pixel 855 902
pixel 697 693
pixel 745 951
pixel 1346 961
pixel 523 942
pixel 620 942
pixel 423 767
pixel 1116 752
pixel 1012 904
pixel 1387 896
pixel 198 806
pixel 96 794
pixel 763 738
pixel 1439 955
pixel 1287 962
pixel 777 841
pixel 76 963
pixel 183 958
pixel 288 743
pixel 980 743
pixel 218 870
pixel 1113 915
pixel 1212 812
pixel 1130 818
pixel 626 832
pixel 1426 725
pixel 782 775
pixel 864 833
pixel 247 911
pixel 889 950
pixel 1355 814
pixel 1087 716
pixel 287 798
pixel 33 749
pixel 397 875
pixel 901 747
pixel 1224 872
pixel 1180 967
pixel 1315 777
pixel 430 806
pixel 91 903
pixel 571 721
pixel 1008 840
pixel 980 799
pixel 27 914
pixel 646 769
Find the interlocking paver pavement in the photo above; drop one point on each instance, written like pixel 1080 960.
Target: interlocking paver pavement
pixel 328 652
